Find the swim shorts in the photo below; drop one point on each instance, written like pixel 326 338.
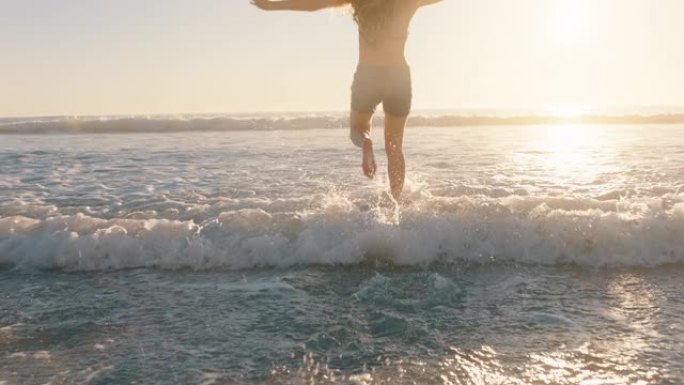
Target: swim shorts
pixel 389 85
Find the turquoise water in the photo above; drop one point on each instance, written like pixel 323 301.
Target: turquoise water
pixel 523 255
pixel 493 323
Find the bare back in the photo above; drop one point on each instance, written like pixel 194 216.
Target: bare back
pixel 387 49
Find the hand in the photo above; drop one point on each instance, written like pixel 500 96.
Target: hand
pixel 266 5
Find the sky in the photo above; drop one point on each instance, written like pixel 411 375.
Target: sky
pixel 105 57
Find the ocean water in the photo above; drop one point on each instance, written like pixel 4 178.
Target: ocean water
pixel 544 254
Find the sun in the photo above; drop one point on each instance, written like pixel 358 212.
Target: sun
pixel 571 21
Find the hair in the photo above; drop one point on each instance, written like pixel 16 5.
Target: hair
pixel 373 16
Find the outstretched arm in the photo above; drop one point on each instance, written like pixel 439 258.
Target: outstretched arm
pixel 298 5
pixel 427 2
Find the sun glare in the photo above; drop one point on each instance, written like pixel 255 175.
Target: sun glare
pixel 571 151
pixel 565 151
pixel 571 21
pixel 567 111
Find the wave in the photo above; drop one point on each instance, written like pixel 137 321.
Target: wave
pixel 338 230
pixel 154 124
pixel 114 125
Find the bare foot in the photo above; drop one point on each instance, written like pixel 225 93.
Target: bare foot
pixel 368 164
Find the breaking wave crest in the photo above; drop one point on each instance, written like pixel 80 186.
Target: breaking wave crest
pixel 220 123
pixel 339 230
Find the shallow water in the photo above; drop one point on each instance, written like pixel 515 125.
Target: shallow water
pixel 540 254
pixel 471 324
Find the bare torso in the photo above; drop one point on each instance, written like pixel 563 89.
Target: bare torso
pixel 387 49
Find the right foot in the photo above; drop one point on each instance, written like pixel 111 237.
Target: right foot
pixel 368 164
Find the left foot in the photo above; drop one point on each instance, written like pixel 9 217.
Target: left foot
pixel 368 164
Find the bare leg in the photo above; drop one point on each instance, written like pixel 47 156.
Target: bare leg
pixel 360 125
pixel 394 141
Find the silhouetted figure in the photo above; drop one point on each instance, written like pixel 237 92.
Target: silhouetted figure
pixel 383 75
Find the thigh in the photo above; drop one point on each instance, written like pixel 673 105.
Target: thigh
pixel 360 120
pixel 366 90
pixel 397 92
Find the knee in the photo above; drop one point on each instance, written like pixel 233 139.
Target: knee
pixel 356 138
pixel 358 133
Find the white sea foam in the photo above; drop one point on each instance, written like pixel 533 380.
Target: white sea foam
pixel 592 196
pixel 338 231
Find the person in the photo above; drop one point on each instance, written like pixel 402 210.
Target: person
pixel 382 75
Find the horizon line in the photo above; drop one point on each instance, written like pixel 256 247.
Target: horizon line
pixel 500 112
